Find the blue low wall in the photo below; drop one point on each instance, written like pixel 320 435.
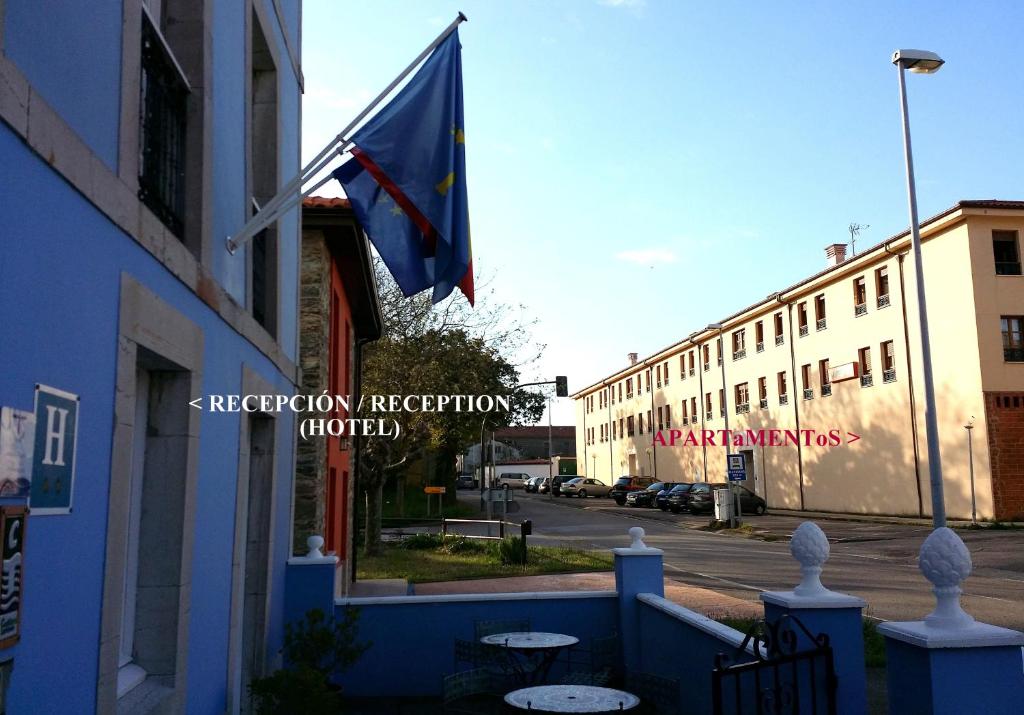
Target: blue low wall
pixel 413 636
pixel 682 644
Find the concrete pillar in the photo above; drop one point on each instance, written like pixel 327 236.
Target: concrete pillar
pixel 638 569
pixel 822 611
pixel 949 663
pixel 310 582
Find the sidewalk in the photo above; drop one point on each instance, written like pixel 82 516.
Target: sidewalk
pixel 705 601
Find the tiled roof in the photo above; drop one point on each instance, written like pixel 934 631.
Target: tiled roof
pixel 535 432
pixel 323 202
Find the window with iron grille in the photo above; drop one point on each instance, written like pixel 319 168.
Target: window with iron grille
pixel 824 379
pixel 801 317
pixel 779 335
pixel 783 388
pixel 860 296
pixel 888 362
pixel 164 98
pixel 629 426
pixel 739 345
pixel 742 398
pixel 819 312
pixel 882 286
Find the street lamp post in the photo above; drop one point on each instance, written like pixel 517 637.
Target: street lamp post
pixel 970 460
pixel 736 515
pixel 922 62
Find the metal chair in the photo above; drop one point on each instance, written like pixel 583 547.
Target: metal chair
pixel 471 692
pixel 659 695
pixel 489 628
pixel 476 655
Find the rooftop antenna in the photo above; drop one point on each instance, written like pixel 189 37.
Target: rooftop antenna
pixel 855 229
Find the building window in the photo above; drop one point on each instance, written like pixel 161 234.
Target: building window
pixel 819 312
pixel 622 425
pixel 1007 253
pixel 691 370
pixel 708 409
pixel 163 120
pixel 759 336
pixel 721 402
pixel 864 362
pixel 682 367
pixel 824 379
pixel 650 421
pixel 693 410
pixel 783 388
pixel 661 418
pixel 686 419
pixel 888 362
pixel 742 398
pixel 648 380
pixel 1013 346
pixel 665 370
pixel 614 436
pixel 860 296
pixel 707 357
pixel 657 372
pixel 619 396
pixel 780 336
pixel 630 426
pixel 801 318
pixel 739 345
pixel 629 388
pixel 718 350
pixel 668 416
pixel 805 382
pixel 762 392
pixel 882 286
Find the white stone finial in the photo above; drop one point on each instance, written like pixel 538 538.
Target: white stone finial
pixel 810 548
pixel 637 535
pixel 315 543
pixel 945 561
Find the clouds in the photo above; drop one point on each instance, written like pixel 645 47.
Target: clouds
pixel 622 3
pixel 647 256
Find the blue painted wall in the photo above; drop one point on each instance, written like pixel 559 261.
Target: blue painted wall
pixel 413 642
pixel 71 54
pixel 60 270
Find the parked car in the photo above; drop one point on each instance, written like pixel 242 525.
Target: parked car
pixel 545 485
pixel 625 485
pixel 644 497
pixel 678 498
pixel 515 480
pixel 584 487
pixel 465 481
pixel 533 484
pixel 555 486
pixel 702 499
pixel 661 500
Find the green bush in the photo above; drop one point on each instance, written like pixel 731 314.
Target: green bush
pixel 453 544
pixel 421 541
pixel 512 551
pixel 314 649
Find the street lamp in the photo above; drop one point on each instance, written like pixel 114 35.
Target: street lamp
pixel 922 62
pixel 970 459
pixel 736 515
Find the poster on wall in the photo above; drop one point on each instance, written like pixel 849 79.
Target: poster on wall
pixel 53 455
pixel 12 528
pixel 17 439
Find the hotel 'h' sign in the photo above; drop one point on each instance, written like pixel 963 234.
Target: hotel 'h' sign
pixel 53 455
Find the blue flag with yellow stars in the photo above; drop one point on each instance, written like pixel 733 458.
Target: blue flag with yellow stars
pixel 407 180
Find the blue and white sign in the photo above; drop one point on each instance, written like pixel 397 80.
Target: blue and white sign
pixel 737 467
pixel 53 456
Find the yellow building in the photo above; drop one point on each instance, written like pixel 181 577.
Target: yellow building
pixel 836 359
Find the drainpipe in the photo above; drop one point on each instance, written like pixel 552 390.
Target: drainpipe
pixel 910 383
pixel 357 455
pixel 796 402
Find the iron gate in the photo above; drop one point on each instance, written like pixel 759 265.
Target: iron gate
pixel 792 672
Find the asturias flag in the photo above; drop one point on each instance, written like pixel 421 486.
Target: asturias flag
pixel 407 180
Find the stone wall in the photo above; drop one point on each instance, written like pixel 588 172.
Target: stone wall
pixel 314 332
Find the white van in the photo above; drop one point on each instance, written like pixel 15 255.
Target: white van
pixel 515 480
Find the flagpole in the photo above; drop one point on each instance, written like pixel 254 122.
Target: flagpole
pixel 282 200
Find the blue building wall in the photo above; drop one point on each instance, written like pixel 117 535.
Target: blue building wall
pixel 61 263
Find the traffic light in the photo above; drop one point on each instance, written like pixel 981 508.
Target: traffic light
pixel 561 386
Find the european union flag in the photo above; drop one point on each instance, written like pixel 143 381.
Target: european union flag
pixel 407 180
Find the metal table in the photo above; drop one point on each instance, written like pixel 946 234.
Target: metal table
pixel 536 651
pixel 572 699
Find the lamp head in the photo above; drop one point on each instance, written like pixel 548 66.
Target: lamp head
pixel 714 326
pixel 919 61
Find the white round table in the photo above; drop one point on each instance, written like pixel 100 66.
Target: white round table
pixel 572 699
pixel 537 652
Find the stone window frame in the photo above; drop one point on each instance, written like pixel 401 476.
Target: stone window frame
pixel 148 323
pixel 252 384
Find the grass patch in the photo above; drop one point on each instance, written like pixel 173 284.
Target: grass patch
pixel 424 558
pixel 415 506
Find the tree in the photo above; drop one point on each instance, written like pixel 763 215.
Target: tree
pixel 447 349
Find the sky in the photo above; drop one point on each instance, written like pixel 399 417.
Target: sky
pixel 639 169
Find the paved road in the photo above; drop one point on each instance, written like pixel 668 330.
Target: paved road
pixel 874 561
